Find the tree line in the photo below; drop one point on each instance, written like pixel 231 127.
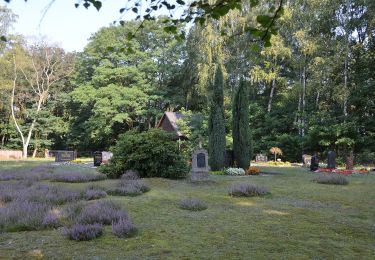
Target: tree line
pixel 312 90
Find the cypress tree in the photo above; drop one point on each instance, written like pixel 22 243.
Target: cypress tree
pixel 240 127
pixel 216 123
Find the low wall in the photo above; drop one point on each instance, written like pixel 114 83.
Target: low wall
pixel 8 154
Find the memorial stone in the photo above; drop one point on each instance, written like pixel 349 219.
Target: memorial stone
pixel 64 156
pixel 331 160
pixel 261 157
pixel 199 171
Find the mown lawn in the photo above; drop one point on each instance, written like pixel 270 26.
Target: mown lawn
pixel 299 220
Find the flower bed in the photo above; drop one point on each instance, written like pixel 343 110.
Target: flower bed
pixel 339 171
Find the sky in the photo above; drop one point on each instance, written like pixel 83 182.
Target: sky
pixel 64 24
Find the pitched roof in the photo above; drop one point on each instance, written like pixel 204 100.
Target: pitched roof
pixel 172 117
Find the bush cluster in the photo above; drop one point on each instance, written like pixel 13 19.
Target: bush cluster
pixel 77 177
pixel 234 171
pixel 336 179
pixel 252 171
pixel 129 188
pixel 151 154
pixel 192 204
pixel 82 232
pixel 123 228
pixel 247 190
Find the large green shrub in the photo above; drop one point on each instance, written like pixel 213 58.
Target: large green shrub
pixel 151 154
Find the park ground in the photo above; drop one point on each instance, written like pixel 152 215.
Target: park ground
pixel 300 219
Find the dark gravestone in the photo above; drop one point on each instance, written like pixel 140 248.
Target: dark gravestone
pixel 331 160
pixel 229 158
pixel 65 156
pixel 314 164
pixel 201 160
pixel 98 158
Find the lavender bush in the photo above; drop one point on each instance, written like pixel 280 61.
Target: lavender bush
pixel 81 232
pixel 247 190
pixel 94 194
pixel 10 191
pixel 335 179
pixel 123 228
pixel 51 220
pixel 130 175
pixel 34 174
pixel 54 195
pixel 103 212
pixel 192 204
pixel 129 188
pixel 22 216
pixel 77 177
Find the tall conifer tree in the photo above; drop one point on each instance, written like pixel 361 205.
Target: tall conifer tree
pixel 216 123
pixel 240 127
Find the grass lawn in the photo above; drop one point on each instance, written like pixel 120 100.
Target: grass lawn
pixel 298 220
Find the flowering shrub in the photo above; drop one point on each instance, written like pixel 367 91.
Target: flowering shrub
pixel 35 174
pixel 103 212
pixel 81 232
pixel 335 179
pixel 192 204
pixel 94 194
pixel 123 228
pixel 363 170
pixel 129 188
pixel 77 177
pixel 22 216
pixel 247 190
pixel 252 171
pixel 130 175
pixel 51 220
pixel 234 171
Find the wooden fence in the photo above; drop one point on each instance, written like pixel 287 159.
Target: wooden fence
pixel 8 154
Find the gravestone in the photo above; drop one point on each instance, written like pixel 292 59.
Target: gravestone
pixel 350 161
pixel 261 157
pixel 229 158
pixel 199 171
pixel 98 158
pixel 306 159
pixel 314 163
pixel 331 160
pixel 64 156
pixel 106 156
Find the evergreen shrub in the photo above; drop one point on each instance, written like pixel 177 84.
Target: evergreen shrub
pixel 151 154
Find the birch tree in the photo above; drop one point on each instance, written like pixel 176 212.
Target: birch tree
pixel 36 71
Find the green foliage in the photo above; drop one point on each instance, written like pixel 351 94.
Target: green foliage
pixel 151 154
pixel 240 127
pixel 216 123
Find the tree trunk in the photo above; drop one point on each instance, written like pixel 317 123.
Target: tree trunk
pixel 35 151
pixel 303 100
pixel 271 96
pixel 24 153
pixel 346 86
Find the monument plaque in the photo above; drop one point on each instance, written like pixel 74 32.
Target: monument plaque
pixel 201 160
pixel 199 171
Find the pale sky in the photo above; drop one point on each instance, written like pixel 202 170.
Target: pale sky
pixel 64 24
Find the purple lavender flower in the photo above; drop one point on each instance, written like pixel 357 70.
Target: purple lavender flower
pixel 81 232
pixel 123 228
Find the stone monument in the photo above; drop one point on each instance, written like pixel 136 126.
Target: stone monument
pixel 314 163
pixel 350 161
pixel 199 171
pixel 306 159
pixel 261 157
pixel 331 160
